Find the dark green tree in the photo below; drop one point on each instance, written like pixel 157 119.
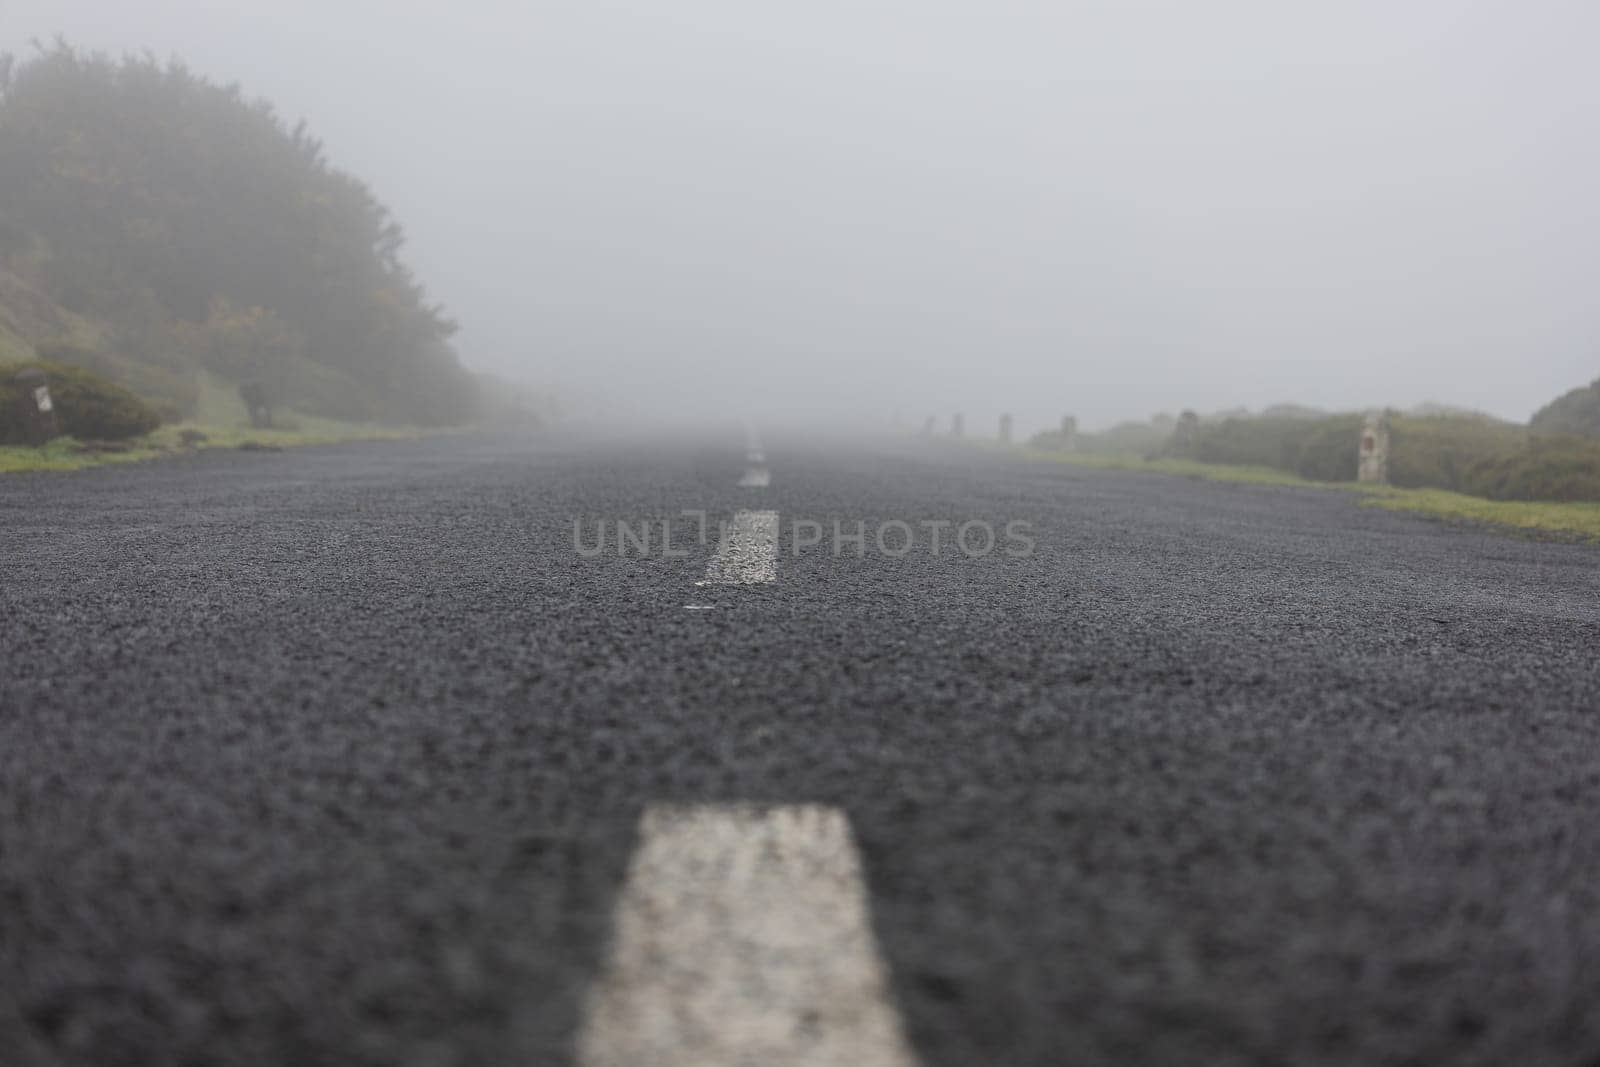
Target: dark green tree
pixel 158 197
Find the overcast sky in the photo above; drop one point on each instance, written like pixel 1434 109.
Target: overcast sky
pixel 1106 208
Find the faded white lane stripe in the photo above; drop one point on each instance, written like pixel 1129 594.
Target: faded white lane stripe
pixel 755 477
pixel 748 554
pixel 742 938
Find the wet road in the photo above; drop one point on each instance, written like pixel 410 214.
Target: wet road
pixel 365 755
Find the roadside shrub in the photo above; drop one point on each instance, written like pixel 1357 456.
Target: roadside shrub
pixel 173 395
pixel 1131 438
pixel 1322 448
pixel 1545 468
pixel 88 406
pixel 1443 451
pixel 1329 450
pixel 1139 439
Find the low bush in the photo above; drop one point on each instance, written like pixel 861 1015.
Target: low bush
pixel 88 407
pixel 1132 439
pixel 1320 448
pixel 172 393
pixel 1443 451
pixel 1323 449
pixel 1562 467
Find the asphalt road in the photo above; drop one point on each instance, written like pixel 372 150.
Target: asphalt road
pixel 345 756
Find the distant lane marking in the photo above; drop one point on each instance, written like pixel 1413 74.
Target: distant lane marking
pixel 756 477
pixel 699 607
pixel 742 938
pixel 748 554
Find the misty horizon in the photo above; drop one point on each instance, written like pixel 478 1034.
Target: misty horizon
pixel 912 210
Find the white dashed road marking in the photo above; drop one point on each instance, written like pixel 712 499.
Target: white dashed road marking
pixel 742 938
pixel 748 554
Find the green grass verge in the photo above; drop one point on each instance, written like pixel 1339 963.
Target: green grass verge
pixel 1184 468
pixel 1574 520
pixel 62 454
pixel 1569 520
pixel 65 454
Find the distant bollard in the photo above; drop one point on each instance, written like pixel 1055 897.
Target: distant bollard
pixel 35 408
pixel 1185 433
pixel 1373 462
pixel 1005 429
pixel 957 425
pixel 1069 433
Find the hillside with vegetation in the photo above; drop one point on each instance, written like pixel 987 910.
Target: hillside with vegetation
pixel 1576 413
pixel 178 238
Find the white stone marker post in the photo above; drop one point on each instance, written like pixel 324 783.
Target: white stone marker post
pixel 1373 466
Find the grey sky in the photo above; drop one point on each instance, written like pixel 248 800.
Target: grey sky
pixel 1109 208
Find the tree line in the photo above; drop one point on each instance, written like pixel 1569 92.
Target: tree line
pixel 206 233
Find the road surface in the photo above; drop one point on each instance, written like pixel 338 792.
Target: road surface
pixel 356 755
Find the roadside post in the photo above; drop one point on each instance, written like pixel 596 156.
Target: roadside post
pixel 35 408
pixel 1373 464
pixel 1005 429
pixel 1069 433
pixel 1185 433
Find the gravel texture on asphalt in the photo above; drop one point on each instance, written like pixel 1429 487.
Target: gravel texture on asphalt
pixel 336 756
